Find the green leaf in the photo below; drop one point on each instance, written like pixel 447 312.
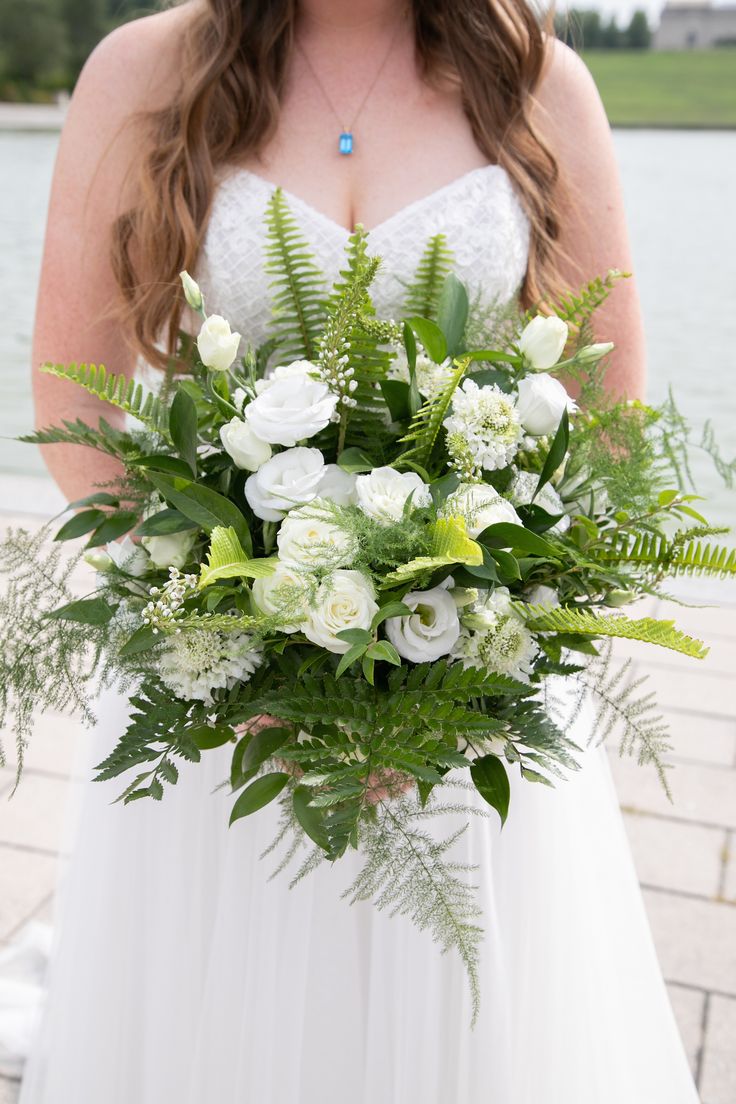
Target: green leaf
pixel 384 650
pixel 114 526
pixel 141 640
pixel 183 428
pixel 80 524
pixel 226 559
pixel 88 611
pixel 163 523
pixel 507 535
pixel 349 658
pixel 260 792
pixel 396 394
pixel 355 460
pixel 369 668
pixel 100 498
pixel 452 313
pixel 170 464
pixel 204 506
pixel 508 564
pixel 262 745
pixel 431 337
pixel 311 819
pixel 391 609
pixel 355 636
pixel 556 454
pixel 492 783
pixel 207 737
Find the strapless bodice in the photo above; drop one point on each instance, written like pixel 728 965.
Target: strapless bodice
pixel 480 214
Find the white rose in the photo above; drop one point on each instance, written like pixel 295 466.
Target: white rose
pixel 521 491
pixel 281 591
pixel 430 631
pixel 307 539
pixel 382 493
pixel 291 409
pixel 287 371
pixel 288 479
pixel 344 600
pixel 171 550
pixel 337 485
pixel 241 444
pixel 542 341
pixel 480 506
pixel 218 347
pixel 541 595
pixel 541 402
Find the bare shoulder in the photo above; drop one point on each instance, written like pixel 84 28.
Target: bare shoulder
pixel 567 108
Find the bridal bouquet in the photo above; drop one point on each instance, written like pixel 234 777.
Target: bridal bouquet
pixel 359 555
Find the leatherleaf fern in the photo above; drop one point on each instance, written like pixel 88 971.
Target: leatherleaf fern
pixel 126 394
pixel 684 555
pixel 297 284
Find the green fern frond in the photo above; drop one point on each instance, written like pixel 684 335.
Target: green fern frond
pixel 583 622
pixel 298 288
pixel 79 433
pixel 120 391
pixel 576 309
pixel 423 293
pixel 692 557
pixel 368 361
pixel 426 424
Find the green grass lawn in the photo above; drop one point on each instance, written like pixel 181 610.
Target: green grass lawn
pixel 652 88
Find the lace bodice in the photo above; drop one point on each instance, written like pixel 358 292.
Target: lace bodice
pixel 480 213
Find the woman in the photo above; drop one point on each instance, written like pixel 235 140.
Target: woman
pixel 182 974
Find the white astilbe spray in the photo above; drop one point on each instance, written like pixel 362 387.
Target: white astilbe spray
pixel 197 662
pixel 492 636
pixel 483 425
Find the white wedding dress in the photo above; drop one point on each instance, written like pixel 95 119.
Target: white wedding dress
pixel 181 975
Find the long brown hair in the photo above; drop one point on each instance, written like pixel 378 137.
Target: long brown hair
pixel 234 64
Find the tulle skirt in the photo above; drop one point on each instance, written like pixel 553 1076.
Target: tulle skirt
pixel 181 974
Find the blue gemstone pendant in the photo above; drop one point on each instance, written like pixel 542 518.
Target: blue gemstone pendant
pixel 346 142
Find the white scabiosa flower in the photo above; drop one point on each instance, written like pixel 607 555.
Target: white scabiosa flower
pixel 245 449
pixel 195 664
pixel 218 346
pixel 541 403
pixel 282 593
pixel 430 631
pixel 291 407
pixel 171 550
pixel 521 491
pixel 307 538
pixel 344 600
pixel 383 492
pixel 485 419
pixel 288 479
pixel 337 485
pixel 542 341
pixel 431 378
pixel 494 637
pixel 480 506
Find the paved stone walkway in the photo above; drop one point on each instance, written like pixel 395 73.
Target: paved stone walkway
pixel 685 852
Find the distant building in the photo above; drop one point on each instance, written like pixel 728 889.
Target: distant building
pixel 695 24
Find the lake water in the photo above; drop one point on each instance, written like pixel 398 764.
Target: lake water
pixel 679 188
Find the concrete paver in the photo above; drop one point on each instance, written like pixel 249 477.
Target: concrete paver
pixel 701 739
pixel 681 856
pixel 718 1083
pixel 695 940
pixel 688 1005
pixel 28 879
pixel 33 817
pixel 701 793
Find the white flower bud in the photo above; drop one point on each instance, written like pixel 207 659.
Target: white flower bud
pixel 591 354
pixel 542 400
pixel 98 559
pixel 192 294
pixel 218 346
pixel 243 446
pixel 542 341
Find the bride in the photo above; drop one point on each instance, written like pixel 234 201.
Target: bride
pixel 180 973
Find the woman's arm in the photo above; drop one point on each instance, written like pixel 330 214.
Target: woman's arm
pixel 77 295
pixel 569 115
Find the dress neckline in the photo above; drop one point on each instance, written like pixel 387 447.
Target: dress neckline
pixel 409 208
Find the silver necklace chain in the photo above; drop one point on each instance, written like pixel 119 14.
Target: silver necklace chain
pixel 349 127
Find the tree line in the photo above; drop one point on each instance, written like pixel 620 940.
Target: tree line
pixel 44 43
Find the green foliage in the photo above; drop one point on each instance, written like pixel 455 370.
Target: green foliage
pixel 227 559
pixel 350 290
pixel 297 284
pixel 647 629
pixel 423 293
pixel 577 308
pixel 426 424
pixel 681 555
pixel 120 391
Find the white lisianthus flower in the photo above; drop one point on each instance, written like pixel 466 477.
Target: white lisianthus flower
pixel 344 600
pixel 430 377
pixel 337 485
pixel 246 450
pixel 170 550
pixel 217 344
pixel 308 539
pixel 541 402
pixel 542 341
pixel 541 595
pixel 291 409
pixel 302 368
pixel 494 637
pixel 282 592
pixel 480 506
pixel 486 420
pixel 430 631
pixel 288 479
pixel 195 663
pixel 129 556
pixel 382 493
pixel 521 491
